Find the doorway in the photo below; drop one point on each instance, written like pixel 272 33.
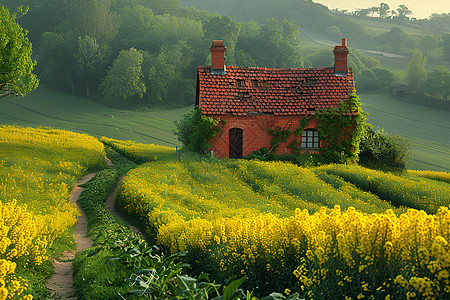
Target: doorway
pixel 235 143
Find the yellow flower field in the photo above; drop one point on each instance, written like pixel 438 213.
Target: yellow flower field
pixel 282 226
pixel 38 168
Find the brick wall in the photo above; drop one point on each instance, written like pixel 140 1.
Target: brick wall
pixel 255 134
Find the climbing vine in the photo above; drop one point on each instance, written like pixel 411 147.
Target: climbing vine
pixel 341 129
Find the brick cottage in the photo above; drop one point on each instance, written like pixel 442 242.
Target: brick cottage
pixel 253 100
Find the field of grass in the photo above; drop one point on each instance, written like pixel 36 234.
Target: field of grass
pixel 324 231
pixel 380 26
pixel 428 129
pixel 48 107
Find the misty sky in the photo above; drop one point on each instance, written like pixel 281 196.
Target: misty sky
pixel 420 8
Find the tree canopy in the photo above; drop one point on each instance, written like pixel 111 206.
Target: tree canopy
pixel 16 65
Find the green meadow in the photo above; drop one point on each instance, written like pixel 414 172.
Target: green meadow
pixel 50 108
pixel 427 128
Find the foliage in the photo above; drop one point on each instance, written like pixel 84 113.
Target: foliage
pixel 383 152
pixel 124 80
pixel 92 18
pixel 416 73
pixel 196 131
pixel 342 129
pixel 16 63
pixel 89 60
pixel 438 82
pixel 274 44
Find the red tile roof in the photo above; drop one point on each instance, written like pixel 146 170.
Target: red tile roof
pixel 271 91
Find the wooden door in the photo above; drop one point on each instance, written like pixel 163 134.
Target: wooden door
pixel 235 143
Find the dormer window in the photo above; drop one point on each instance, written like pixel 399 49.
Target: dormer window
pixel 310 139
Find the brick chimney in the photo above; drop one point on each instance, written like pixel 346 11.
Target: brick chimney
pixel 340 59
pixel 218 58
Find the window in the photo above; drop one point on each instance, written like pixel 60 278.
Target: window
pixel 310 139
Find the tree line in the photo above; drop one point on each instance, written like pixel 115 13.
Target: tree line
pixel 143 52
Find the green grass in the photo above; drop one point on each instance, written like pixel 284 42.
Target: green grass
pixel 48 107
pixel 380 26
pixel 425 127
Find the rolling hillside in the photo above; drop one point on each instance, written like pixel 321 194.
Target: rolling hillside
pixel 427 128
pixel 47 107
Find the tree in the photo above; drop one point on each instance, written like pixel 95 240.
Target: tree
pixel 383 10
pixel 16 65
pixel 446 46
pixel 92 18
pixel 395 37
pixel 438 82
pixel 56 61
pixel 226 29
pixel 427 43
pixel 403 12
pixel 124 80
pixel 89 60
pixel 416 73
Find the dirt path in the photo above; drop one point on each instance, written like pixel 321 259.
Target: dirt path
pixel 61 283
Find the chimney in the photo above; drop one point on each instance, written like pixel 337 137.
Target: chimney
pixel 218 58
pixel 340 59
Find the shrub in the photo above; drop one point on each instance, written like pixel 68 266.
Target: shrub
pixel 196 132
pixel 378 151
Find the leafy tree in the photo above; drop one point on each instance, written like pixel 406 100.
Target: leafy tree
pixel 383 10
pixel 92 18
pixel 385 77
pixel 196 132
pixel 427 43
pixel 368 81
pixel 124 80
pixel 226 29
pixel 56 61
pixel 396 38
pixel 416 73
pixel 89 60
pixel 446 46
pixel 16 65
pixel 380 151
pixel 438 82
pixel 275 45
pixel 321 58
pixel 403 12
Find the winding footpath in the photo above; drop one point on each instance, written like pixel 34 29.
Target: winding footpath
pixel 61 283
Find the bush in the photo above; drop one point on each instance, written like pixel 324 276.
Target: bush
pixel 196 132
pixel 378 151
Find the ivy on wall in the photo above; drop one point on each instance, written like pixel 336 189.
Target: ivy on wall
pixel 342 128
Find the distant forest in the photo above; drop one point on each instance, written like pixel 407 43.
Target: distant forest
pixel 144 53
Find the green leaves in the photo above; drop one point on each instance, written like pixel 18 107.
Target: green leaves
pixel 16 65
pixel 196 132
pixel 125 79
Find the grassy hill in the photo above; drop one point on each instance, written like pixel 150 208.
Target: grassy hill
pixel 427 128
pixel 48 107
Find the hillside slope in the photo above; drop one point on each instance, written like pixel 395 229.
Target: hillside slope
pixel 48 107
